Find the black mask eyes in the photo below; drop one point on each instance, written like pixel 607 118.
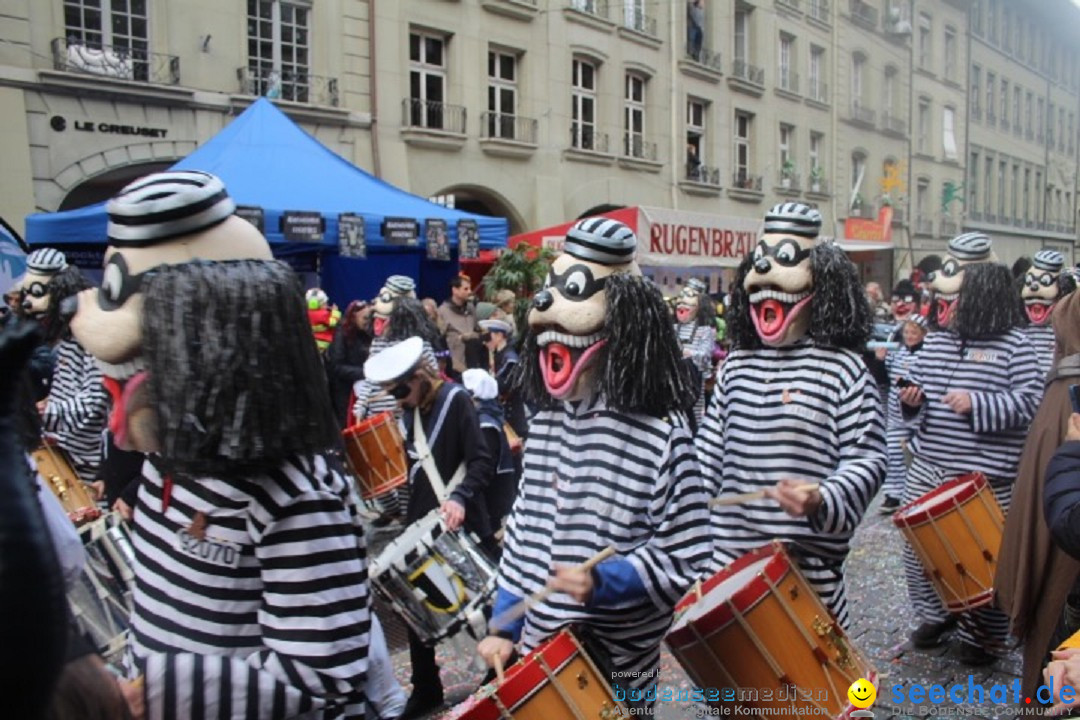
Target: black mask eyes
pixel 786 253
pixel 950 268
pixel 577 283
pixel 36 290
pixel 1046 280
pixel 386 297
pixel 905 298
pixel 118 284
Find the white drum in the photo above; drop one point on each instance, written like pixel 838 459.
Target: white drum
pixel 438 581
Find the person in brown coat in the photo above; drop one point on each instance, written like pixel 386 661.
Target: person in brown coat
pixel 1034 576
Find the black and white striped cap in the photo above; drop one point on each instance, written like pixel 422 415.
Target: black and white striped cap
pixel 601 240
pixel 46 261
pixel 970 247
pixel 401 284
pixel 1049 260
pixel 696 285
pixel 166 205
pixel 793 218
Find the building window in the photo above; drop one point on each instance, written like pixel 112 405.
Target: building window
pixel 1040 119
pixel 1072 134
pixel 925 41
pixel 988 176
pixel 817 73
pixel 1002 170
pixel 991 98
pixel 948 137
pixel 888 92
pixel 1029 113
pixel 787 149
pixel 973 191
pixel 1004 103
pixel 922 198
pixel 1061 128
pixel 1027 194
pixel 427 80
pixel 787 54
pixel 817 151
pixel 976 92
pixel 742 36
pixel 278 49
pixel 502 94
pixel 118 28
pixel 858 65
pixel 1015 192
pixel 634 116
pixel 743 128
pixel 858 174
pixel 583 105
pixel 991 21
pixel 977 17
pixel 1038 192
pixel 695 138
pixel 922 139
pixel 950 53
pixel 1017 127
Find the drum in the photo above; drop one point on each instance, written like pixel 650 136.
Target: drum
pixel 757 636
pixel 101 598
pixel 376 454
pixel 556 680
pixel 438 581
pixel 53 465
pixel 955 530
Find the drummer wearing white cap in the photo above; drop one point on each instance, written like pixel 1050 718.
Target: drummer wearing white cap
pixel 449 467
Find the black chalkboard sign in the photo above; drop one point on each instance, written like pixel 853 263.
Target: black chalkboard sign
pixel 302 226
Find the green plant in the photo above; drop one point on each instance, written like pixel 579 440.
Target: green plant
pixel 816 173
pixel 523 270
pixel 788 168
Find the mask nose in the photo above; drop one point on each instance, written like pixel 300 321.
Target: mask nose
pixel 1034 287
pixel 762 265
pixel 543 300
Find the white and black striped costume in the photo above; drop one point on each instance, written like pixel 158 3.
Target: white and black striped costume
pixel 595 477
pixel 279 631
pixel 899 364
pixel 1003 378
pixel 1042 340
pixel 805 412
pixel 77 407
pixel 699 340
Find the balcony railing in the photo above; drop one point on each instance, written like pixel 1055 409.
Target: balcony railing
pixel 899 216
pixel 116 61
pixel 599 8
pixel 743 180
pixel 788 80
pixel 948 228
pixel 585 137
pixel 862 114
pixel 749 73
pixel 793 4
pixel 864 13
pixel 819 10
pixel 638 148
pixel 819 91
pixel 431 115
pixel 706 57
pixel 295 87
pixel 893 124
pixel 787 181
pixel 703 174
pixel 500 126
pixel 924 226
pixel 639 21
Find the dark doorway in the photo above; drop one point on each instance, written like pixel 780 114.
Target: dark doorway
pixel 104 186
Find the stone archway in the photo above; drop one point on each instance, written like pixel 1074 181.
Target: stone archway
pixel 599 210
pixel 485 201
pixel 104 185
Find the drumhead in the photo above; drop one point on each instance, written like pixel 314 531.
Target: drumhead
pixel 366 424
pixel 411 538
pixel 722 591
pixel 940 501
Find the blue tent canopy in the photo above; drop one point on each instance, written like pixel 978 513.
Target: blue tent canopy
pixel 12 260
pixel 267 161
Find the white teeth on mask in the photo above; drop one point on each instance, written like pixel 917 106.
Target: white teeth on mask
pixel 123 371
pixel 1036 301
pixel 574 341
pixel 784 297
pixel 948 296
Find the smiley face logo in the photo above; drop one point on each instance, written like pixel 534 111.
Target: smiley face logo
pixel 862 693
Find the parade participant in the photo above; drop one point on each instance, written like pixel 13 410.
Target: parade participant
pixel 459 319
pixel 75 410
pixel 609 462
pixel 323 316
pixel 502 485
pixel 395 286
pixel 794 405
pixel 1044 284
pixel 1034 576
pixel 899 363
pixel 975 387
pixel 694 317
pixel 505 363
pixel 347 353
pixel 449 469
pixel 904 302
pixel 251 595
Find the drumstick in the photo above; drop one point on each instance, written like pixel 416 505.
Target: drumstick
pixel 756 495
pixel 503 619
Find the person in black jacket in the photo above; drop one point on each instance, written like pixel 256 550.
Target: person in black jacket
pixel 1061 497
pixel 346 355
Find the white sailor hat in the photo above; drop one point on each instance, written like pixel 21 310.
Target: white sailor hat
pixel 166 205
pixel 497 325
pixel 793 218
pixel 601 240
pixel 395 362
pixel 971 247
pixel 401 284
pixel 46 261
pixel 480 384
pixel 1049 260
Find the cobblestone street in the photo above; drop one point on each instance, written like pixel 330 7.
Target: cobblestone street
pixel 881 622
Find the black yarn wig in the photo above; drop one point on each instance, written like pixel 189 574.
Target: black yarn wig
pixel 988 304
pixel 63 285
pixel 840 314
pixel 236 379
pixel 1066 283
pixel 409 319
pixel 640 368
pixel 706 310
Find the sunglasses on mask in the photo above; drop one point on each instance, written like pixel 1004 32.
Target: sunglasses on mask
pixel 400 391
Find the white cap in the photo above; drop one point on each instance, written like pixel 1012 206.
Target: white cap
pixel 395 362
pixel 480 384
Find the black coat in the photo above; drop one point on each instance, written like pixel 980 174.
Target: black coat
pixel 1061 497
pixel 344 366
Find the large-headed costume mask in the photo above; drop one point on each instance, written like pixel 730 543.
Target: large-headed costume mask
pixel 396 286
pixel 199 332
pixel 694 304
pixel 974 294
pixel 791 286
pixel 49 280
pixel 1044 285
pixel 904 301
pixel 599 326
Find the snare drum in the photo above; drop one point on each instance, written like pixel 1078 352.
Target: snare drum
pixel 556 680
pixel 758 629
pixel 955 530
pixel 438 581
pixel 54 466
pixel 376 453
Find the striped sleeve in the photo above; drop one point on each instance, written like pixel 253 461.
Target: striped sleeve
pixel 861 469
pixel 710 437
pixel 78 405
pixel 702 349
pixel 1015 406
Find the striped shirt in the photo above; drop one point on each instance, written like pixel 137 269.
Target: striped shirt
pixel 804 412
pixel 595 477
pixel 77 408
pixel 899 364
pixel 265 617
pixel 1043 341
pixel 1006 386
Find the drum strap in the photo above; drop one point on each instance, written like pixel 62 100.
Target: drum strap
pixel 427 461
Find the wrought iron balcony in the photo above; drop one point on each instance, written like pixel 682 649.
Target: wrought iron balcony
pixel 788 80
pixel 893 124
pixel 862 12
pixel 288 85
pixel 819 10
pixel 500 126
pixel 638 148
pixel 639 21
pixel 742 180
pixel 703 174
pixel 706 57
pixel 115 61
pixel 746 72
pixel 862 114
pixel 431 115
pixel 599 8
pixel 819 91
pixel 585 137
